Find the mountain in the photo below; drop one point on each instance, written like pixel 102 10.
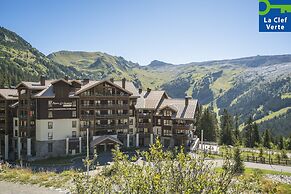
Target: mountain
pixel 159 65
pixel 95 65
pixel 20 61
pixel 258 86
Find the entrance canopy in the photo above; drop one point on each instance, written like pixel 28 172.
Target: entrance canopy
pixel 105 139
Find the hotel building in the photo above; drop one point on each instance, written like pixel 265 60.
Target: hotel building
pixel 52 117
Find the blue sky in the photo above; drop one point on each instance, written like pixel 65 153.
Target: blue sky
pixel 175 31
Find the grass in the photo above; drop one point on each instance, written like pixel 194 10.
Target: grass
pixel 274 114
pixel 46 179
pixel 286 95
pixel 224 82
pixel 281 187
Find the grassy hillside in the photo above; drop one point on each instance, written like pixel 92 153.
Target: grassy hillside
pixel 258 86
pixel 95 65
pixel 20 61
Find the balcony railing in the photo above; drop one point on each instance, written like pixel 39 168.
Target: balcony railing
pixel 109 126
pixel 89 117
pixel 144 114
pixel 183 126
pixel 111 115
pixel 104 106
pixel 104 94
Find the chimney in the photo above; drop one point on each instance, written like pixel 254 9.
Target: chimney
pixel 187 100
pixel 112 80
pixel 123 83
pixel 42 80
pixel 66 78
pixel 149 90
pixel 85 81
pixel 140 90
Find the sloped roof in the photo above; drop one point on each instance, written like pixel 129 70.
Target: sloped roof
pixel 183 111
pixel 61 80
pixel 92 84
pixel 150 100
pixel 129 86
pixel 9 94
pixel 103 138
pixel 35 85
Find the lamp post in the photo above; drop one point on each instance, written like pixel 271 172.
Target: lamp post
pixel 88 151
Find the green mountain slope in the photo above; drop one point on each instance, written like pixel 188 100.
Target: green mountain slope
pixel 258 86
pixel 95 65
pixel 20 61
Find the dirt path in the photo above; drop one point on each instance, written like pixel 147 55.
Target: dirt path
pixel 16 188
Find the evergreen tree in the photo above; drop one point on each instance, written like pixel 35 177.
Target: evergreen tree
pixel 226 134
pixel 208 124
pixel 248 133
pixel 199 120
pixel 238 167
pixel 288 143
pixel 256 136
pixel 266 139
pixel 281 143
pixel 236 130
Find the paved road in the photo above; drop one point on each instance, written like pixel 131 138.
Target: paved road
pixel 278 168
pixel 15 188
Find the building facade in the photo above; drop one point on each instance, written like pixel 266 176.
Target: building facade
pixel 52 117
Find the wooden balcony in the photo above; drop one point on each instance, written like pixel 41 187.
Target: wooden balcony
pixel 183 126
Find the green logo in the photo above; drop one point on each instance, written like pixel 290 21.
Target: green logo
pixel 269 6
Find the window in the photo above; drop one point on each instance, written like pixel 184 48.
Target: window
pixel 131 121
pixel 74 124
pixel 50 103
pixel 50 147
pixel 74 103
pixel 167 132
pixel 74 113
pixel 15 123
pixel 74 134
pixel 50 114
pixel 50 125
pixel 159 121
pixel 15 133
pixel 167 113
pixel 167 122
pixel 50 135
pixel 32 123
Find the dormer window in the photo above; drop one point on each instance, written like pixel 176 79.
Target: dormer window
pixel 167 113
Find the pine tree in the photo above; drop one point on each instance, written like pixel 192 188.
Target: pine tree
pixel 199 120
pixel 226 134
pixel 208 124
pixel 236 130
pixel 281 143
pixel 238 167
pixel 288 143
pixel 256 136
pixel 248 133
pixel 266 140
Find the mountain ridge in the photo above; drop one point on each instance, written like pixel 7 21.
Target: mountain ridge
pixel 256 86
